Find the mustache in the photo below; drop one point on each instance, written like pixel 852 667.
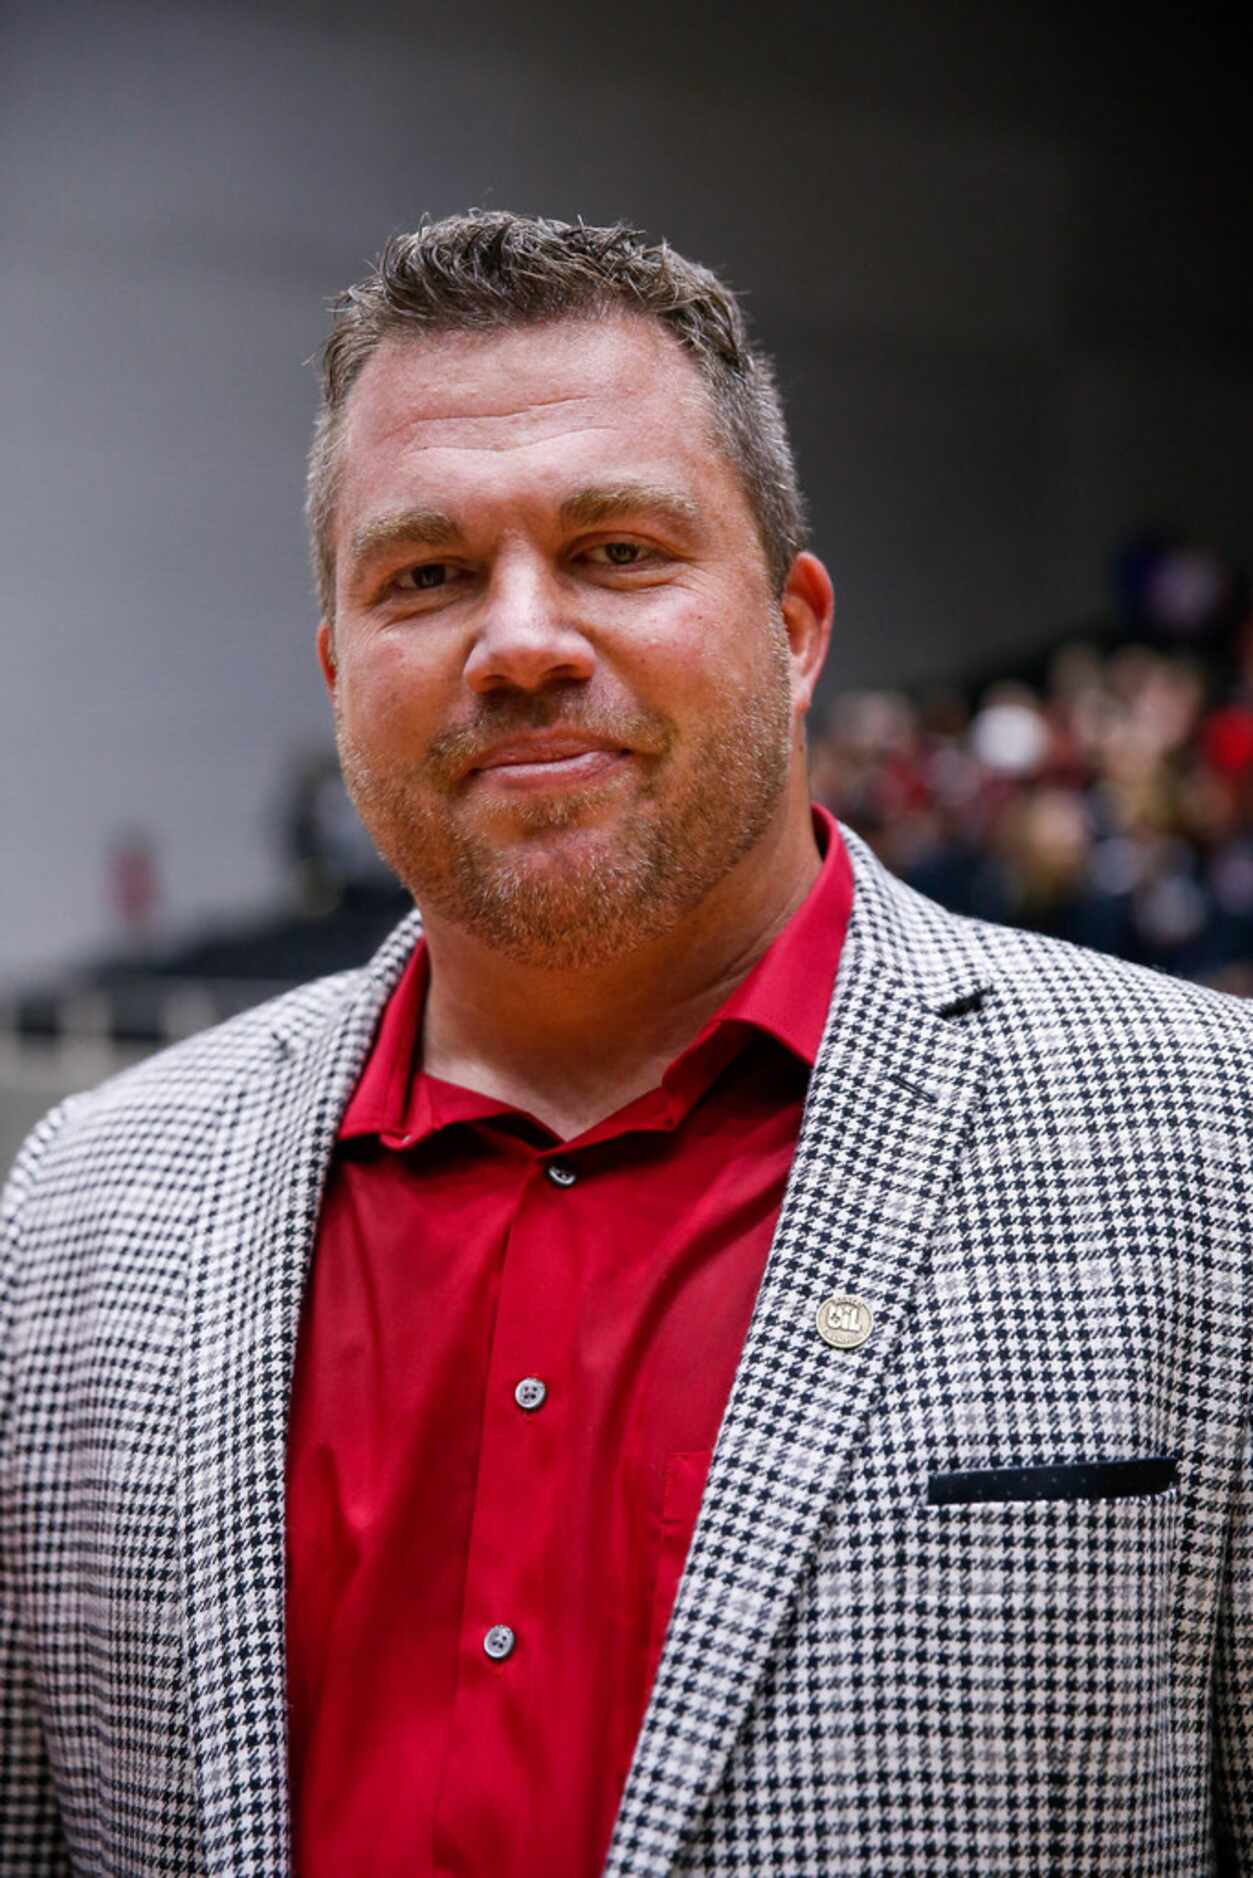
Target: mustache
pixel 453 752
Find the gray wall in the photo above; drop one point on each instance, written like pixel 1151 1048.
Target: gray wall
pixel 996 250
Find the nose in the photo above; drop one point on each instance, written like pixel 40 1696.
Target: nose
pixel 527 637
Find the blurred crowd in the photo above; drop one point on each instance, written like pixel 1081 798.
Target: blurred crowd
pixel 1108 799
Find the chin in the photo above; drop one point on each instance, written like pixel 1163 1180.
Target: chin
pixel 596 810
pixel 562 899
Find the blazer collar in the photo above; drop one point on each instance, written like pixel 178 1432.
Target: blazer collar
pixel 892 1092
pixel 267 1165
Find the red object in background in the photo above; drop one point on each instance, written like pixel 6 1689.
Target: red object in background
pixel 462 1251
pixel 133 883
pixel 1227 739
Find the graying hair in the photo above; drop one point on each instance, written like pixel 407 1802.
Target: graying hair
pixel 484 272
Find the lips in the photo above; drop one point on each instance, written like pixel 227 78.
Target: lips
pixel 547 763
pixel 543 752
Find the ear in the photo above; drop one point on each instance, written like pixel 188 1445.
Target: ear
pixel 808 607
pixel 326 658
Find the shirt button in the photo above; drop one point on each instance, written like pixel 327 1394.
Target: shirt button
pixel 561 1176
pixel 530 1393
pixel 499 1642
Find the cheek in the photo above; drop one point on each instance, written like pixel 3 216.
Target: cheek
pixel 387 694
pixel 670 661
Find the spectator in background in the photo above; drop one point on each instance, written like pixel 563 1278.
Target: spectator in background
pixel 1112 804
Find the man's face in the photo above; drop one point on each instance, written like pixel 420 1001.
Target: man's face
pixel 566 700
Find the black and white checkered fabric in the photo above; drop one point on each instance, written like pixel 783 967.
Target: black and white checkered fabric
pixel 1031 1163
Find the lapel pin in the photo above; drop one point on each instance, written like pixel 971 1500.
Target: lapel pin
pixel 844 1322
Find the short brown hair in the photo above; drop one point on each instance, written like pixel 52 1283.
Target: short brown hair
pixel 481 272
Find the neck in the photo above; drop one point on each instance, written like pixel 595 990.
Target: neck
pixel 571 1046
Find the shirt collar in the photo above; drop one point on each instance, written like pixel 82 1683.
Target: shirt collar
pixel 786 995
pixel 788 992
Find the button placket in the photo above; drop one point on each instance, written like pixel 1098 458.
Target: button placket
pixel 520 1457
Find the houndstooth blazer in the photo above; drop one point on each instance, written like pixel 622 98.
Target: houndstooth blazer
pixel 931 1622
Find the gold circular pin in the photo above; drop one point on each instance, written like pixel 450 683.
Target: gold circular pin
pixel 844 1322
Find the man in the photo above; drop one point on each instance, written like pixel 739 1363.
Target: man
pixel 693 1359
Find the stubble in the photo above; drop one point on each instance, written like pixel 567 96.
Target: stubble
pixel 575 887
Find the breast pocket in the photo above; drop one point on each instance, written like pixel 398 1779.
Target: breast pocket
pixel 1071 1480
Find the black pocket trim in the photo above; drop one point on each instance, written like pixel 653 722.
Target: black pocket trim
pixel 1085 1480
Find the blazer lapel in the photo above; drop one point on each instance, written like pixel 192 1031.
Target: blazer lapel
pixel 889 1096
pixel 245 1284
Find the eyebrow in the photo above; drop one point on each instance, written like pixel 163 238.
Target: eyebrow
pixel 407 528
pixel 612 502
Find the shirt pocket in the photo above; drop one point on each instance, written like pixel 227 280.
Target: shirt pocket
pixel 682 1487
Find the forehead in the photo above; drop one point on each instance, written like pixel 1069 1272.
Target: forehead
pixel 462 412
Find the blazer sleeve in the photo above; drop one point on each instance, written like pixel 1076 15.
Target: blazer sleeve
pixel 1233 1687
pixel 32 1844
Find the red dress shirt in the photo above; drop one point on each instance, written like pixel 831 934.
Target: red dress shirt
pixel 436 1506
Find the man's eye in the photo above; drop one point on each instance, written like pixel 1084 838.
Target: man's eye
pixel 620 553
pixel 423 579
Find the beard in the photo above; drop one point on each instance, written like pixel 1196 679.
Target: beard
pixel 577 885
